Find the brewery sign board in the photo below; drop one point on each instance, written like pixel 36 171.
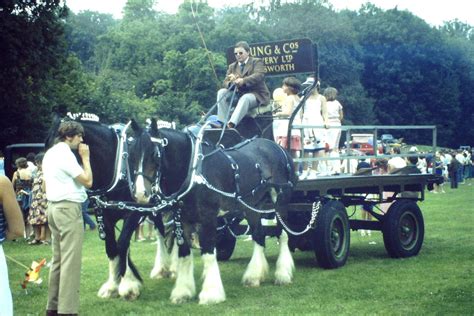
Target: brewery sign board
pixel 282 57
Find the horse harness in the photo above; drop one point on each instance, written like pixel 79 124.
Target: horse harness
pixel 195 176
pixel 121 173
pixel 174 202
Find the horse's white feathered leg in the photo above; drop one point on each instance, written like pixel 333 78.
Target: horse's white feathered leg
pixel 110 287
pixel 129 287
pixel 212 288
pixel 257 268
pixel 174 259
pixel 185 287
pixel 285 264
pixel 161 268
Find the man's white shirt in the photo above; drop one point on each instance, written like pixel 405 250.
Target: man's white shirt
pixel 60 168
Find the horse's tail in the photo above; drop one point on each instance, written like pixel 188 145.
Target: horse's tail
pixel 134 269
pixel 292 177
pixel 288 160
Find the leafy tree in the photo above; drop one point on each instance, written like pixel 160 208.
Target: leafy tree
pixel 458 29
pixel 138 10
pixel 408 72
pixel 157 59
pixel 460 45
pixel 389 66
pixel 32 51
pixel 83 31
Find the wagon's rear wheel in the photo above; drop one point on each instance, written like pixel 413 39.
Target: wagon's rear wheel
pixel 332 235
pixel 403 229
pixel 225 244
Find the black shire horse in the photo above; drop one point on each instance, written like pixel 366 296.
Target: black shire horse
pixel 196 180
pixel 104 142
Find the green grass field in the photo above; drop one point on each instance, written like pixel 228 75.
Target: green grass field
pixel 439 280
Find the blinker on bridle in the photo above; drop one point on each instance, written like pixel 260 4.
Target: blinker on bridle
pixel 159 143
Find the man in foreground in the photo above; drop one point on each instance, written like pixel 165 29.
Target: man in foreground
pixel 65 183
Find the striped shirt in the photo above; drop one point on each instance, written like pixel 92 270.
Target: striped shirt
pixel 3 225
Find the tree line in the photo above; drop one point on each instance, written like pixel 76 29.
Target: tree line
pixel 390 66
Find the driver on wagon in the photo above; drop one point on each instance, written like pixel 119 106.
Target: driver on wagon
pixel 247 75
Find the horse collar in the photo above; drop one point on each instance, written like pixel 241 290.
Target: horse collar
pixel 121 166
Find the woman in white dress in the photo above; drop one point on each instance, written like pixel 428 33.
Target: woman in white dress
pixel 335 117
pixel 314 113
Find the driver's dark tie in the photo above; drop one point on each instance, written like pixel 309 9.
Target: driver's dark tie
pixel 242 66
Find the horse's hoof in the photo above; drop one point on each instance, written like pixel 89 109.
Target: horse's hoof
pixel 158 274
pixel 131 296
pixel 251 282
pixel 129 290
pixel 180 299
pixel 282 281
pixel 209 301
pixel 108 291
pixel 206 299
pixel 283 277
pixel 161 274
pixel 182 295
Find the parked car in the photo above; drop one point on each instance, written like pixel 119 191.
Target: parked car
pixel 387 138
pixel 365 143
pixel 14 151
pixel 388 141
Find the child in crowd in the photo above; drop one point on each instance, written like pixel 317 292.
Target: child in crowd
pixel 37 216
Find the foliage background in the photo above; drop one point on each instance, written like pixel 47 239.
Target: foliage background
pixel 390 67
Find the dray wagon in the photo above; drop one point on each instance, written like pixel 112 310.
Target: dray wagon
pixel 320 209
pixel 317 218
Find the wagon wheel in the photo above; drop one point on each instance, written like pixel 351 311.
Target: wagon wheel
pixel 403 229
pixel 225 244
pixel 332 235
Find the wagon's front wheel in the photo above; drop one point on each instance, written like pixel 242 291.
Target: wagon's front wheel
pixel 332 235
pixel 403 229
